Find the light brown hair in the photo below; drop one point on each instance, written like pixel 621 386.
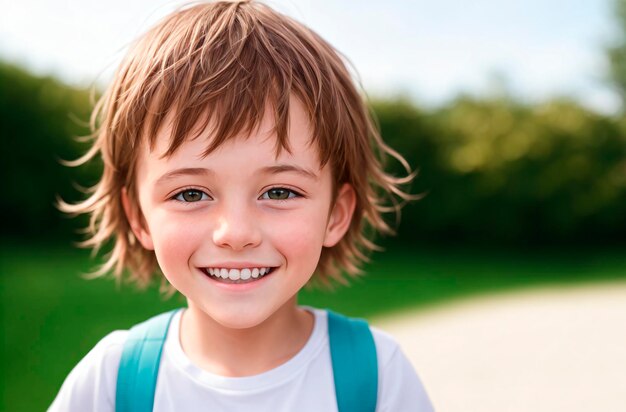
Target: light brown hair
pixel 225 62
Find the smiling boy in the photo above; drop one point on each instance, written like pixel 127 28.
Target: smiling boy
pixel 239 210
pixel 239 161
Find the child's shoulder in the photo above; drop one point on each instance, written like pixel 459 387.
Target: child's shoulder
pixel 106 353
pixel 386 345
pixel 91 383
pixel 399 386
pixel 104 357
pixel 393 364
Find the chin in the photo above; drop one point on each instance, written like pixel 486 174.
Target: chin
pixel 243 318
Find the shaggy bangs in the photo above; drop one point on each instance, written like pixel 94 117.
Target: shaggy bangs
pixel 222 65
pixel 226 63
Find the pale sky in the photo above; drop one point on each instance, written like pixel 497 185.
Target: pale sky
pixel 427 50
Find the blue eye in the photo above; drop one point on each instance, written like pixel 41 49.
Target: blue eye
pixel 191 195
pixel 279 193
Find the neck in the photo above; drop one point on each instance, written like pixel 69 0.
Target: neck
pixel 244 352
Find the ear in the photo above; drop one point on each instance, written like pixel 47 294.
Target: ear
pixel 341 215
pixel 137 224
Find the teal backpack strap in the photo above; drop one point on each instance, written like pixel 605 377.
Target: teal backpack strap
pixel 355 366
pixel 139 365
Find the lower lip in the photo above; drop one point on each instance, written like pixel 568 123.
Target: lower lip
pixel 238 287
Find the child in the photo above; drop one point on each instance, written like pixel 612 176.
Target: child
pixel 240 161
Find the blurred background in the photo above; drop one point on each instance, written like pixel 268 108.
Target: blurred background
pixel 513 112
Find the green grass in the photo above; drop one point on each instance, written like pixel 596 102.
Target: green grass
pixel 51 316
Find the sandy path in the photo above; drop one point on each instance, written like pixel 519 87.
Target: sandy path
pixel 558 349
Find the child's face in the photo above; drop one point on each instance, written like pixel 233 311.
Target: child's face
pixel 239 208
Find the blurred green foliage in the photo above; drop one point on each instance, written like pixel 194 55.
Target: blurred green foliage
pixel 493 170
pixel 38 119
pixel 496 171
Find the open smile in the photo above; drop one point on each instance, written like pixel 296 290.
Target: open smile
pixel 238 276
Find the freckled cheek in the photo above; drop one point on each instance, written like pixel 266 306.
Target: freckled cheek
pixel 297 236
pixel 176 239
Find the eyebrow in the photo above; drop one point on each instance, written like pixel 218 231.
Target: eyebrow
pixel 282 168
pixel 199 171
pixel 187 171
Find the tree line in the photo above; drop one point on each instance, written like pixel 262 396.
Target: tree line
pixel 491 169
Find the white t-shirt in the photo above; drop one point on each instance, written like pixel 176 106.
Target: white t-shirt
pixel 303 383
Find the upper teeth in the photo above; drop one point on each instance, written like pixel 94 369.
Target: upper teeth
pixel 235 274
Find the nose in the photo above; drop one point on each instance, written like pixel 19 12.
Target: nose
pixel 236 229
